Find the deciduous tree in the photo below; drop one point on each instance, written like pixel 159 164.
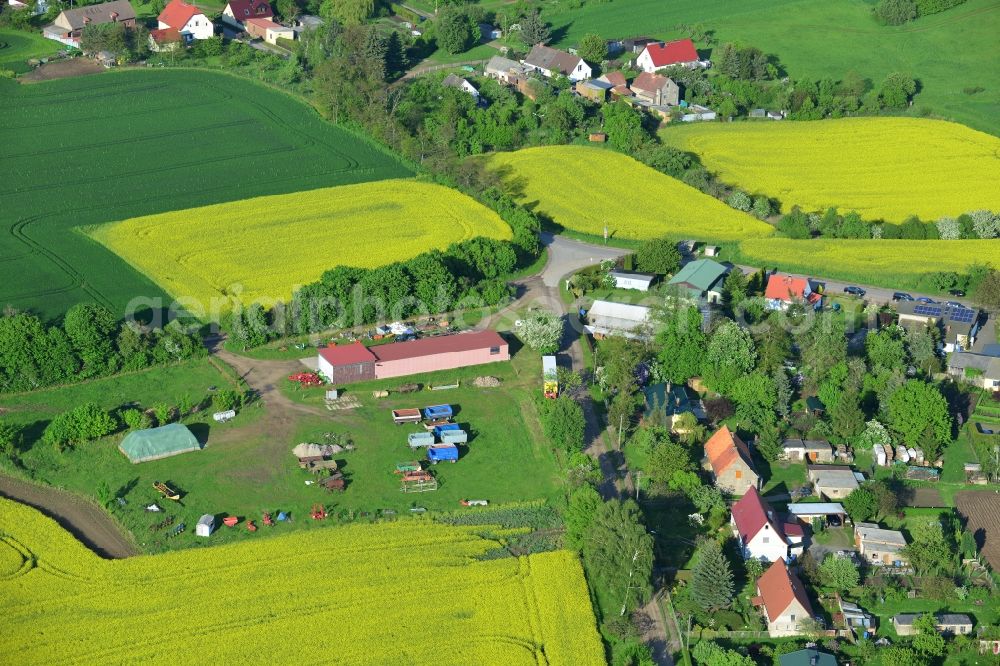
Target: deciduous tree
pixel 619 552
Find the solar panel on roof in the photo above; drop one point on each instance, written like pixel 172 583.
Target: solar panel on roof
pixel 961 315
pixel 927 310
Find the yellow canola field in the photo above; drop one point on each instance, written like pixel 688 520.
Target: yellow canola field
pixel 399 593
pixel 261 249
pixel 883 168
pixel 870 261
pixel 583 189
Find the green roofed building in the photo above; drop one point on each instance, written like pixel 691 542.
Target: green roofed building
pixel 702 279
pixel 155 443
pixel 807 657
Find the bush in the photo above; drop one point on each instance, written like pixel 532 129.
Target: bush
pixel 894 12
pixel 925 7
pixel 659 256
pixel 226 399
pixel 740 201
pixel 80 424
pixel 136 419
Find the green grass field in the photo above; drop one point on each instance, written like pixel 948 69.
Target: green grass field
pixel 946 52
pixel 124 144
pixel 17 47
pixel 243 471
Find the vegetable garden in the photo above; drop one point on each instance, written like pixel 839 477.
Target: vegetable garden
pixel 407 592
pixel 583 189
pixel 124 144
pixel 883 168
pixel 267 245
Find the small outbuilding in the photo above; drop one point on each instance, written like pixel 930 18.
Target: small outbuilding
pixel 205 525
pixel 155 443
pixel 637 281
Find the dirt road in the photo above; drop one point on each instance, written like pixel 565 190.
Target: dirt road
pixel 84 520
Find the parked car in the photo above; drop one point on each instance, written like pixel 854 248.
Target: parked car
pixel 834 521
pixel 924 299
pixel 958 293
pixel 901 296
pixel 854 291
pixel 954 304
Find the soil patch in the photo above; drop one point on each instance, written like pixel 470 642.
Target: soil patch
pixel 981 510
pixel 63 69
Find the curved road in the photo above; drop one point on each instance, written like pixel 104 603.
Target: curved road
pixel 84 520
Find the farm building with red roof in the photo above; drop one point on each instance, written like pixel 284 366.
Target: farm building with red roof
pixel 186 19
pixel 356 362
pixel 729 460
pixel 760 534
pixel 659 55
pixel 784 290
pixel 783 600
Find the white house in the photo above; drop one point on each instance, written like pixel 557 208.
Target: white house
pixel 660 55
pixel 454 81
pixel 637 281
pixel 238 11
pixel 760 534
pixel 548 62
pixel 186 19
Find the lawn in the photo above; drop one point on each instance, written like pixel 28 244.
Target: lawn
pixel 17 47
pixel 410 592
pixel 784 477
pixel 125 144
pixel 253 249
pixel 883 168
pixel 798 33
pixel 895 264
pixel 638 203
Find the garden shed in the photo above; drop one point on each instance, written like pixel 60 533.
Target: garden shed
pixel 155 443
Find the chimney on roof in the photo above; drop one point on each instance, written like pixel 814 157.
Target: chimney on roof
pixel 114 16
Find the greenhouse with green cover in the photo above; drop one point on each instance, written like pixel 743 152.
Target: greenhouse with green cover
pixel 155 443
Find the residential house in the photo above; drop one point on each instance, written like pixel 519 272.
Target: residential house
pixel 356 362
pixel 832 481
pixel 701 279
pixel 165 39
pixel 504 69
pixel 784 290
pixel 880 546
pixel 268 30
pixel 806 512
pixel 958 325
pixel 729 460
pixel 487 32
pixel 759 532
pixel 977 369
pixel 594 89
pixel 783 600
pixel 607 318
pixel 637 281
pixel 548 62
pixel 186 19
pixel 619 85
pixel 660 55
pixel 673 400
pixel 812 450
pixel 455 81
pixel 656 90
pixel 237 12
pixel 807 657
pixel 946 623
pixel 69 25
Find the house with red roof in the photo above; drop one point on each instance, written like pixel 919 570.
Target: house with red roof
pixel 238 11
pixel 728 458
pixel 784 290
pixel 656 90
pixel 187 20
pixel 759 532
pixel 165 39
pixel 783 600
pixel 344 364
pixel 659 55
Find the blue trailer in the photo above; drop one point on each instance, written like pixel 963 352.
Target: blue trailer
pixel 447 427
pixel 440 452
pixel 437 412
pixel 418 439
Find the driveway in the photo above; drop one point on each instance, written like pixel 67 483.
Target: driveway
pixel 568 256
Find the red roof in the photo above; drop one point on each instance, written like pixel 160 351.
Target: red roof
pixel 264 23
pixel 615 78
pixel 787 288
pixel 723 448
pixel 347 354
pixel 648 82
pixel 461 342
pixel 672 53
pixel 793 529
pixel 177 14
pixel 444 344
pixel 165 35
pixel 778 587
pixel 750 516
pixel 245 9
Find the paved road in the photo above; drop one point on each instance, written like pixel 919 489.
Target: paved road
pixel 83 519
pixel 568 256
